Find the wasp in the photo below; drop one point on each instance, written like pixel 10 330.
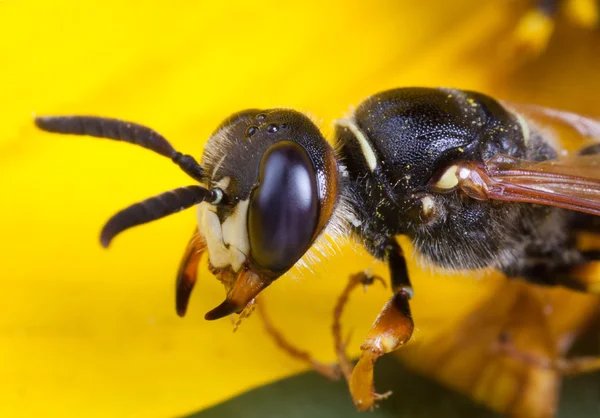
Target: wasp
pixel 472 181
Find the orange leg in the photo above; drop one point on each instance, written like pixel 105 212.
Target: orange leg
pixel 585 277
pixel 346 365
pixel 329 371
pixel 392 328
pixel 564 366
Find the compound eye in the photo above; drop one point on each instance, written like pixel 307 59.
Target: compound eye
pixel 284 208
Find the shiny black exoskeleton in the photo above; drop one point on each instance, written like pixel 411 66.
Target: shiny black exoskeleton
pixel 457 172
pixel 414 134
pixel 388 169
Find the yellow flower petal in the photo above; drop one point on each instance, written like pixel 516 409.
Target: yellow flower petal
pixel 94 333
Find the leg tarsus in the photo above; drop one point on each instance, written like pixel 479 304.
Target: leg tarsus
pixel 246 312
pixel 391 330
pixel 577 365
pixel 564 366
pixel 383 396
pixel 331 372
pixel 362 278
pixel 346 365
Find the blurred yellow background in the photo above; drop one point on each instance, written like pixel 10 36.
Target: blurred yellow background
pixel 84 331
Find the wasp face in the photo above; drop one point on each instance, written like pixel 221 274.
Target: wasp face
pixel 278 175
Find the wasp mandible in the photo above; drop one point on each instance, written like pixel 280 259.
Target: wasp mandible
pixel 472 181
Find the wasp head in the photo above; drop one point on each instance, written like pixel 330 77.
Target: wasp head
pixel 268 186
pixel 279 179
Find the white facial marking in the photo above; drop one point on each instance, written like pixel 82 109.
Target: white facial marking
pixel 210 228
pixel 365 146
pixel 448 180
pixel 236 258
pixel 227 243
pixel 235 233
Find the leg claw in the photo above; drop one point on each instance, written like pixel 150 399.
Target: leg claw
pixel 392 328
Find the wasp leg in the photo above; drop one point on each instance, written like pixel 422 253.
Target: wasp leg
pixel 563 366
pixel 329 371
pixel 583 278
pixel 586 127
pixel 362 278
pixel 188 271
pixel 391 330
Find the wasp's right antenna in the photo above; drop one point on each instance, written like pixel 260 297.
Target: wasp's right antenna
pixel 121 131
pixel 156 207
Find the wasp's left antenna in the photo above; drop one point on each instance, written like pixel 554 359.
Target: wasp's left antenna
pixel 121 131
pixel 156 207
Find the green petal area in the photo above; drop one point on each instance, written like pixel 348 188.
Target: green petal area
pixel 581 397
pixel 311 395
pixel 581 394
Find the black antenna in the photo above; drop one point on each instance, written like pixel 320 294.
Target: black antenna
pixel 121 131
pixel 157 207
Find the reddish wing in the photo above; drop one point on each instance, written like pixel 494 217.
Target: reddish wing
pixel 572 183
pixel 586 127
